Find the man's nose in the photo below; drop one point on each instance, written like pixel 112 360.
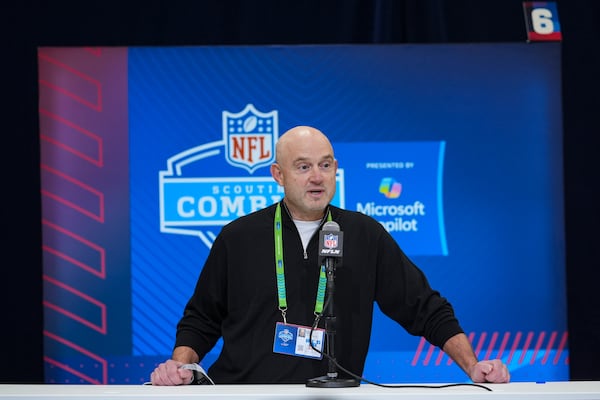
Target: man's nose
pixel 316 175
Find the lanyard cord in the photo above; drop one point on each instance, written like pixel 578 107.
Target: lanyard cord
pixel 280 272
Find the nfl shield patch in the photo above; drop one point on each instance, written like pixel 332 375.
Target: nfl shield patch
pixel 330 241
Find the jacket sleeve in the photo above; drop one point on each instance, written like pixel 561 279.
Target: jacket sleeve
pixel 200 325
pixel 404 294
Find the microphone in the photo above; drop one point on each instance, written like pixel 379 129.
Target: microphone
pixel 331 244
pixel 331 241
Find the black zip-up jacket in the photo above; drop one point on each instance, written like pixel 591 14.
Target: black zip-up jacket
pixel 236 297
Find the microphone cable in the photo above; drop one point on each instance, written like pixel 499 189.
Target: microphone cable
pixel 363 379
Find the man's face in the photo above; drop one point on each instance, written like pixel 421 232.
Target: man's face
pixel 306 170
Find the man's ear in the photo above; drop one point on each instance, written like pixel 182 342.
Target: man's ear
pixel 276 173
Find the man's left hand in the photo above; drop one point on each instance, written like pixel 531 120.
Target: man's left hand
pixel 491 371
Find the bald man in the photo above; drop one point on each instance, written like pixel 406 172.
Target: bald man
pixel 260 284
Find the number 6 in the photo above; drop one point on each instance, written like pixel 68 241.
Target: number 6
pixel 541 19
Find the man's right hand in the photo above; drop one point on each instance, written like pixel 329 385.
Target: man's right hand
pixel 169 374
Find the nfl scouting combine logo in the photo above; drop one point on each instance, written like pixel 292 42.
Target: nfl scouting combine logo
pixel 285 336
pixel 210 185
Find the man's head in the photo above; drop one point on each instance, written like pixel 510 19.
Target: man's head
pixel 306 168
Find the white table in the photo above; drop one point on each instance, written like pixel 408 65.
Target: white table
pixel 518 390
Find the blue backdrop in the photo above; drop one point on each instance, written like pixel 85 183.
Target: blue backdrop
pixel 456 149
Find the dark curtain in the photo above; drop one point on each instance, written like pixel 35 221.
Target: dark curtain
pixel 27 24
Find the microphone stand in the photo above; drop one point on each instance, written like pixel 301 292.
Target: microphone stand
pixel 331 380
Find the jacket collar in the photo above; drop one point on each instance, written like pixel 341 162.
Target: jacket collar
pixel 323 218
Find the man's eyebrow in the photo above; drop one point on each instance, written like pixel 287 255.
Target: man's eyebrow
pixel 299 160
pixel 328 157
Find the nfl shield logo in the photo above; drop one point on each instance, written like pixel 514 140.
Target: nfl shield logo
pixel 250 137
pixel 330 241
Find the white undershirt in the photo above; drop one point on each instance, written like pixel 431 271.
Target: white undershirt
pixel 306 230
